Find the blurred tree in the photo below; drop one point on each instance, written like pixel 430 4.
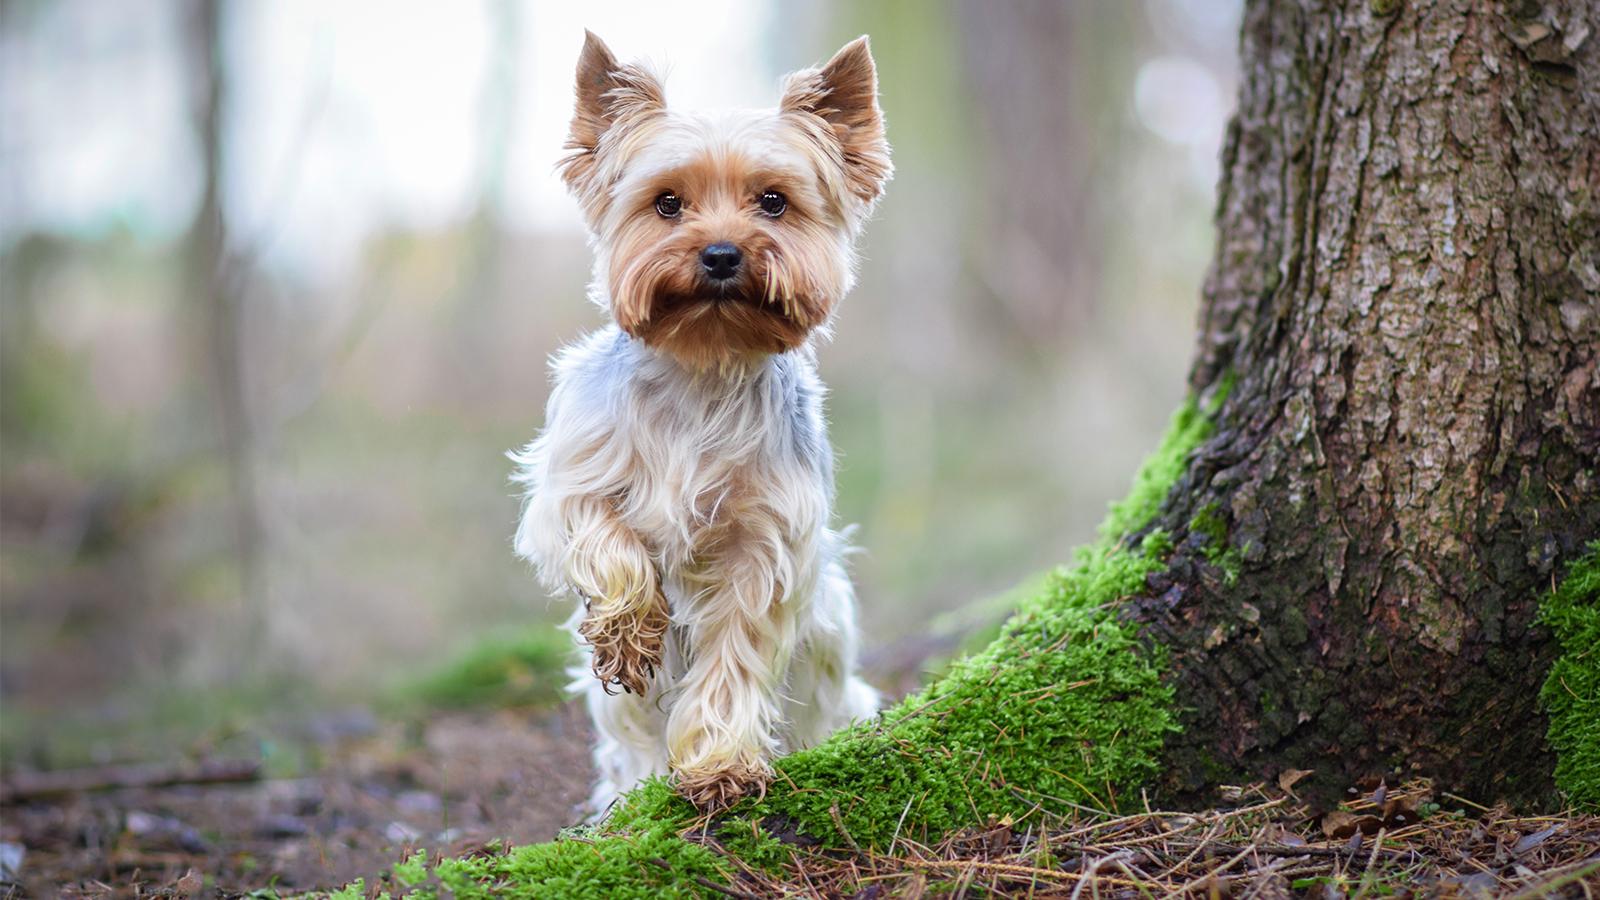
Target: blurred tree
pixel 1037 85
pixel 482 277
pixel 213 285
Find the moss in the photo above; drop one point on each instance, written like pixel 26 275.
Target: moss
pixel 414 870
pixel 525 669
pixel 754 845
pixel 1293 628
pixel 355 890
pixel 1065 706
pixel 1209 522
pixel 650 863
pixel 639 854
pixel 1571 693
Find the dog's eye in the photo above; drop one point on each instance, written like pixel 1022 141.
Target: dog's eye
pixel 773 203
pixel 669 205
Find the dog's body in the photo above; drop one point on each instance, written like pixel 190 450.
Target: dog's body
pixel 682 486
pixel 729 484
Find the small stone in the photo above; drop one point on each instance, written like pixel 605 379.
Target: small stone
pixel 165 832
pixel 278 827
pixel 419 802
pixel 401 833
pixel 11 856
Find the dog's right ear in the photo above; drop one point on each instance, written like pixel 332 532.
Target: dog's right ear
pixel 609 95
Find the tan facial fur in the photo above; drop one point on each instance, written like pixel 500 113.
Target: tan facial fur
pixel 822 149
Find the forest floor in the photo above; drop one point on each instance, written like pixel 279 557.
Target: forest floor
pixel 491 762
pixel 455 783
pixel 477 757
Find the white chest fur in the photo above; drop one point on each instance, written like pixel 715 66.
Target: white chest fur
pixel 689 459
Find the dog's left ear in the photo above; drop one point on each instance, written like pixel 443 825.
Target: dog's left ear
pixel 843 93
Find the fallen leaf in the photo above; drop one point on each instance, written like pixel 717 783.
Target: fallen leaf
pixel 191 884
pixel 1288 778
pixel 1338 825
pixel 1529 841
pixel 1400 812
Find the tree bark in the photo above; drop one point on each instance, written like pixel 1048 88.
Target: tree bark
pixel 1405 304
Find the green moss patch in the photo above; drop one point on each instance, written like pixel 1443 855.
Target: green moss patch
pixel 524 669
pixel 653 863
pixel 1209 522
pixel 1571 693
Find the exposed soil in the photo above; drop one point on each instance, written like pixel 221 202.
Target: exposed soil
pixel 455 783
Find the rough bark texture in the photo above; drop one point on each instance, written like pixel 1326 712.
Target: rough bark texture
pixel 1405 300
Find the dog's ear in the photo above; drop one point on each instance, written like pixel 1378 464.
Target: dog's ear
pixel 843 93
pixel 609 95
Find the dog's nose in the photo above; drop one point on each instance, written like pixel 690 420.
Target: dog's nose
pixel 721 260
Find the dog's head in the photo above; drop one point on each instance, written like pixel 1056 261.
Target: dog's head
pixel 723 237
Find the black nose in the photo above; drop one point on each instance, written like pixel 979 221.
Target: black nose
pixel 721 260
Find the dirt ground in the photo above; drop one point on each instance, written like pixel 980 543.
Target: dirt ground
pixel 454 782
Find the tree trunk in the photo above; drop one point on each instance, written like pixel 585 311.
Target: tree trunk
pixel 1405 301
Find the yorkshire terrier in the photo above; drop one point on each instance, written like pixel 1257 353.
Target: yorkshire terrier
pixel 682 487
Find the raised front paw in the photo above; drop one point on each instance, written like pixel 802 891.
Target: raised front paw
pixel 714 790
pixel 626 642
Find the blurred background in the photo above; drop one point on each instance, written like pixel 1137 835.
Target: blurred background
pixel 281 279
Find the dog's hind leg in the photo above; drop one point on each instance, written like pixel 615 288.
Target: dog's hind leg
pixel 823 693
pixel 627 744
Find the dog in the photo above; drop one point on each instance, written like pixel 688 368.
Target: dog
pixel 682 486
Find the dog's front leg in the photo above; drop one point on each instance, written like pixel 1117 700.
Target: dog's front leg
pixel 722 731
pixel 625 615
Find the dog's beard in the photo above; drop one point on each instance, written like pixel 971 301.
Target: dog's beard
pixel 714 324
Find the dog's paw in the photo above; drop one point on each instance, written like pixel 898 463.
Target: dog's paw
pixel 718 789
pixel 627 644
